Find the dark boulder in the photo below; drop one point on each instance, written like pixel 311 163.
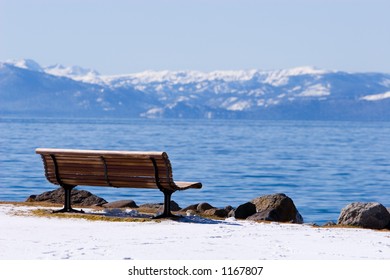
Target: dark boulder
pixel 31 198
pixel 245 210
pixel 329 224
pixel 79 197
pixel 203 207
pixel 174 207
pixel 365 214
pixel 266 215
pixel 191 207
pixel 151 205
pixel 218 212
pixel 388 226
pixel 121 204
pixel 276 207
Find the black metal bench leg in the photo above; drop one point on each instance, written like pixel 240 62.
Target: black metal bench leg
pixel 167 208
pixel 67 203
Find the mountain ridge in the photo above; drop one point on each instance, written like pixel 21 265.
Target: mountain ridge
pixel 297 93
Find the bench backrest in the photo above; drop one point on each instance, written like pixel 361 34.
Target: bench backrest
pixel 122 169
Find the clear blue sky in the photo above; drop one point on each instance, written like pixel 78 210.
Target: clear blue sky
pixel 125 36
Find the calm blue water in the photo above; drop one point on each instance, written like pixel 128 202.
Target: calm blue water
pixel 322 166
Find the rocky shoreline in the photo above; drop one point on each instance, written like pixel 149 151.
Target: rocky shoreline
pixel 273 207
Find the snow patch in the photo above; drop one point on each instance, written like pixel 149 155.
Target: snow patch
pixel 239 106
pixel 261 102
pixel 153 113
pixel 186 77
pixel 276 78
pixel 376 97
pixel 182 98
pixel 281 77
pixel 316 91
pixel 272 101
pixel 74 72
pixel 386 82
pixel 305 70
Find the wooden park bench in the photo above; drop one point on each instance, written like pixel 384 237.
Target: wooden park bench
pixel 118 169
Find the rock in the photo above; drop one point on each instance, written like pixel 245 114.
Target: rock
pixel 266 215
pixel 329 224
pixel 190 207
pixel 79 197
pixel 367 215
pixel 219 212
pixel 276 207
pixel 203 207
pixel 298 218
pixel 245 210
pixel 160 206
pixel 312 224
pixel 174 207
pixel 231 213
pixel 152 205
pixel 31 198
pixel 388 226
pixel 121 204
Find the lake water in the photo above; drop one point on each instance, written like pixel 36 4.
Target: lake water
pixel 322 166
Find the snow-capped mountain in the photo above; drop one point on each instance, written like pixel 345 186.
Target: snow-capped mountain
pixel 28 64
pixel 74 72
pixel 298 93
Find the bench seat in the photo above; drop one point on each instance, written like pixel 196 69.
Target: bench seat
pixel 119 169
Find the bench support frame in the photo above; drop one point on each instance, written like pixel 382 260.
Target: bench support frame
pixel 67 189
pixel 167 207
pixel 167 195
pixel 67 203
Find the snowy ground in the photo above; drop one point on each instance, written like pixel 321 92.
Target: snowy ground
pixel 193 238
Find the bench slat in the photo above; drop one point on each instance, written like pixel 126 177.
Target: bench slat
pixel 73 152
pixel 110 172
pixel 99 161
pixel 115 184
pixel 101 177
pixel 78 157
